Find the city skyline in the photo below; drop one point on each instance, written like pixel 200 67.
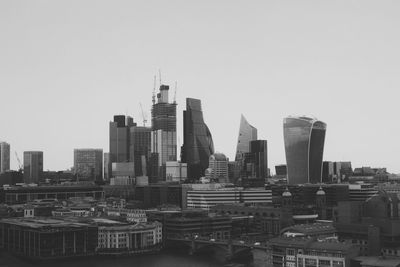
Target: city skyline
pixel 266 61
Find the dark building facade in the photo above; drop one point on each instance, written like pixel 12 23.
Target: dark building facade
pixel 33 166
pixel 11 177
pixel 281 170
pixel 255 163
pixel 140 149
pixel 247 133
pixel 4 157
pixel 198 145
pixel 119 138
pixel 304 146
pixel 88 164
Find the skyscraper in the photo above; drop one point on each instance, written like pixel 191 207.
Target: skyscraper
pixel 198 145
pixel 120 140
pixel 163 134
pixel 33 166
pixel 259 158
pixel 304 146
pixel 88 164
pixel 4 157
pixel 247 133
pixel 140 148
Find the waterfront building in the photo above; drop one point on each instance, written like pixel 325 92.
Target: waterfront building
pixel 247 133
pixel 205 199
pixel 304 146
pixel 218 168
pixel 4 157
pixel 303 252
pixel 163 130
pixel 140 148
pixel 197 140
pixel 43 238
pixel 255 162
pixel 119 238
pixel 33 167
pixel 88 164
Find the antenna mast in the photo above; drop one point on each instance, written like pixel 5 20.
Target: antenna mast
pixel 159 75
pixel 143 116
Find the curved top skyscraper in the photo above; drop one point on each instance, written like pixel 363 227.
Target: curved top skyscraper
pixel 197 140
pixel 304 146
pixel 247 133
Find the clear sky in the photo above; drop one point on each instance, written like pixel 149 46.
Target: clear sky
pixel 66 67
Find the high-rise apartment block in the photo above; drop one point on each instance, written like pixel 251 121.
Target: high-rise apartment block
pixel 304 146
pixel 33 166
pixel 88 164
pixel 4 157
pixel 198 145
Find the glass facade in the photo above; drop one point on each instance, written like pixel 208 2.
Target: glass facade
pixel 140 148
pixel 163 136
pixel 88 164
pixel 198 145
pixel 33 166
pixel 247 133
pixel 304 146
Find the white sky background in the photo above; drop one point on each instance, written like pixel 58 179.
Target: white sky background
pixel 66 67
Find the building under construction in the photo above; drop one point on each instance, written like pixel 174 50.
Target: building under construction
pixel 163 135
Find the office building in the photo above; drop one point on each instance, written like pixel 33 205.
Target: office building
pixel 205 199
pixel 304 146
pixel 4 157
pixel 88 164
pixel 361 192
pixel 175 171
pixel 163 134
pixel 218 168
pixel 106 167
pixel 198 145
pixel 281 170
pixel 33 166
pixel 304 252
pixel 255 162
pixel 247 133
pixel 140 148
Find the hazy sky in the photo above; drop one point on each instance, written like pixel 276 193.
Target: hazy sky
pixel 66 67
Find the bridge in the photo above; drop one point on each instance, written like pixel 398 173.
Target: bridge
pixel 230 247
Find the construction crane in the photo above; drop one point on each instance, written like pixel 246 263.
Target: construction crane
pixel 20 166
pixel 143 116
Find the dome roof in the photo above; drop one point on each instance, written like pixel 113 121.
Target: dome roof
pixel 287 193
pixel 218 156
pixel 320 192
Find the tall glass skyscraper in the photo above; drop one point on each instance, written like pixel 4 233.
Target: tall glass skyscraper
pixel 140 148
pixel 198 145
pixel 4 157
pixel 163 121
pixel 304 146
pixel 247 133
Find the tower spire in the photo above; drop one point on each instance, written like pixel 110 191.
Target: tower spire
pixel 154 90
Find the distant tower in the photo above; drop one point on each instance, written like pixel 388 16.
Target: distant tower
pixel 304 146
pixel 247 133
pixel 286 198
pixel 4 157
pixel 88 164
